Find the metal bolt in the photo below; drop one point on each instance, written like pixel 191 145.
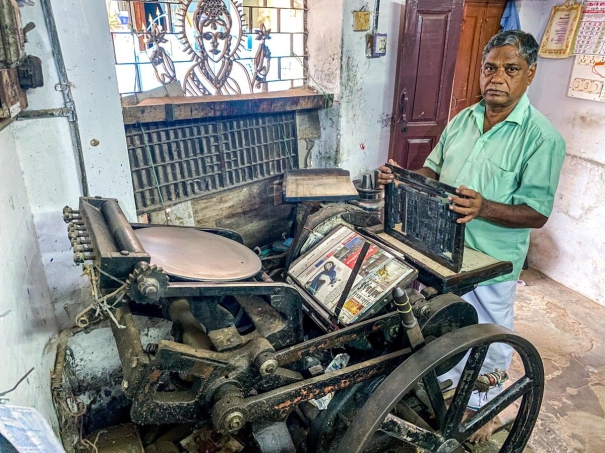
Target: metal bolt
pixel 234 420
pixel 268 367
pixel 231 340
pixel 394 331
pixel 266 363
pixel 148 287
pixel 124 385
pixel 425 311
pixel 124 252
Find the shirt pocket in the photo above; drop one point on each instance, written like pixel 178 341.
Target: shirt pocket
pixel 495 183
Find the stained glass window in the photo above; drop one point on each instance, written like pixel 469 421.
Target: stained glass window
pixel 209 47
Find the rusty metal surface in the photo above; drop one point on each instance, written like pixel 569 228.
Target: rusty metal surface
pixel 90 224
pixel 278 403
pixel 196 255
pixel 132 356
pixel 337 338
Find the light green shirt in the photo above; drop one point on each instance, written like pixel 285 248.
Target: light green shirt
pixel 516 162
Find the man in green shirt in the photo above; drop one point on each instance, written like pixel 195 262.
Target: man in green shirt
pixel 506 157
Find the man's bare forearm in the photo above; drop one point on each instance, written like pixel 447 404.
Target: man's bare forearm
pixel 512 216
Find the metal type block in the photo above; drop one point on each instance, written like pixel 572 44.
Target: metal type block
pixel 417 213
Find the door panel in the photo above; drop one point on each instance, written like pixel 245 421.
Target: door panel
pixel 425 71
pixel 481 21
pixel 430 61
pixel 466 79
pixel 418 149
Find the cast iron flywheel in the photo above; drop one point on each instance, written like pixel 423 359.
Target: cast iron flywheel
pixel 451 431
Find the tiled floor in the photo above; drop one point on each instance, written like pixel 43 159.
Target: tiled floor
pixel 569 331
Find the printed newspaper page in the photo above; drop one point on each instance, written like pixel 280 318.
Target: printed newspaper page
pixel 324 272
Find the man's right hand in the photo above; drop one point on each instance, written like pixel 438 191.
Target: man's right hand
pixel 386 176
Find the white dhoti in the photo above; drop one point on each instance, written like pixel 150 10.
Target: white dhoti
pixel 494 305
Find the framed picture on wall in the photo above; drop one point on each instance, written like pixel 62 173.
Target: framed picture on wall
pixel 560 35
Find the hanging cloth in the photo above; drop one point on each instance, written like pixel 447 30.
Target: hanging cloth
pixel 510 17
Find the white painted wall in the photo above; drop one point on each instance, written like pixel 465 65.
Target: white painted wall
pixel 45 149
pixel 363 87
pixel 26 318
pixel 570 248
pixel 367 90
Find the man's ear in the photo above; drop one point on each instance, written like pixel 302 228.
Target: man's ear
pixel 531 73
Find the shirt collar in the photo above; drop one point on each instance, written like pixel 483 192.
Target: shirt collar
pixel 516 116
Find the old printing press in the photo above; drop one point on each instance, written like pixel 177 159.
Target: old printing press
pixel 249 351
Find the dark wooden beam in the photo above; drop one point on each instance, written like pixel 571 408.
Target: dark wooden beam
pixel 185 108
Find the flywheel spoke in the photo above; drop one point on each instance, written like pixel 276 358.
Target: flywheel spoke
pixel 465 387
pixel 411 434
pixel 376 414
pixel 495 406
pixel 431 384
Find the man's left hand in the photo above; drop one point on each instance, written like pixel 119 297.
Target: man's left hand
pixel 471 207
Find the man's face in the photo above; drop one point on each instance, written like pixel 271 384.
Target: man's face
pixel 505 77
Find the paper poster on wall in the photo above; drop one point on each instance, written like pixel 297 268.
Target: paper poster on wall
pixel 587 78
pixel 591 32
pixel 559 37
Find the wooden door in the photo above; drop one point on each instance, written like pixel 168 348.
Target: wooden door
pixel 481 21
pixel 429 38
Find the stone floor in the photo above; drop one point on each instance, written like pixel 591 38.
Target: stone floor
pixel 569 332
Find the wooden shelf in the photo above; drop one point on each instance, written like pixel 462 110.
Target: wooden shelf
pixel 185 108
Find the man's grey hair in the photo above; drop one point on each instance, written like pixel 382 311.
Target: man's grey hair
pixel 526 45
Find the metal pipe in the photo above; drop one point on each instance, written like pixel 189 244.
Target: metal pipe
pixel 65 85
pixel 119 227
pixel 376 13
pixel 44 113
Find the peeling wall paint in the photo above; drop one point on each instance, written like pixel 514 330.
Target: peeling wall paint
pixel 367 89
pixel 363 87
pixel 27 323
pixel 570 248
pixel 45 148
